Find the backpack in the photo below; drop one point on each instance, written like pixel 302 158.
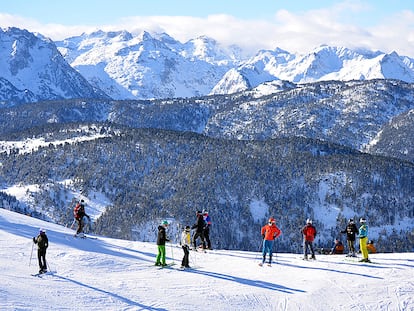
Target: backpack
pixel 78 208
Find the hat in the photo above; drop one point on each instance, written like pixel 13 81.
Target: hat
pixel 351 220
pixel 272 220
pixel 187 228
pixel 205 212
pixel 362 220
pixel 164 223
pixel 198 212
pixel 309 221
pixel 41 230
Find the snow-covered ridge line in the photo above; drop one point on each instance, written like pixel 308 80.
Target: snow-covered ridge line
pixel 33 144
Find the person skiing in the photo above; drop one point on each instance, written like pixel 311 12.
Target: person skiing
pixel 185 244
pixel 42 244
pixel 309 234
pixel 79 213
pixel 199 233
pixel 161 239
pixel 269 233
pixel 363 238
pixel 351 230
pixel 207 226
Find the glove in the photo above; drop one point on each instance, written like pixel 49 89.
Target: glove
pixel 34 240
pixel 263 236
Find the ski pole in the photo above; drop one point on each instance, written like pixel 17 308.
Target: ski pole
pixel 31 255
pixel 172 252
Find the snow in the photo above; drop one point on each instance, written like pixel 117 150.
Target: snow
pixel 111 274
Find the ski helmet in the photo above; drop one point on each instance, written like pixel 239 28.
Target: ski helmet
pixel 164 223
pixel 272 220
pixel 309 221
pixel 187 228
pixel 41 230
pixel 362 220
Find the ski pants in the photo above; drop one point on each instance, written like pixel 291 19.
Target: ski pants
pixel 161 255
pixel 201 236
pixel 267 249
pixel 351 246
pixel 306 246
pixel 363 247
pixel 185 261
pixel 41 256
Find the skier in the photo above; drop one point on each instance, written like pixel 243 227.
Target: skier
pixel 207 226
pixel 309 234
pixel 351 230
pixel 269 233
pixel 199 233
pixel 185 244
pixel 363 238
pixel 79 213
pixel 161 239
pixel 338 248
pixel 42 243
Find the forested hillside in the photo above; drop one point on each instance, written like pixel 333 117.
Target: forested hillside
pixel 149 174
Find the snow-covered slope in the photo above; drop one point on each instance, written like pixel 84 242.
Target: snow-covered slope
pixel 32 69
pixel 324 63
pixel 144 66
pixel 109 274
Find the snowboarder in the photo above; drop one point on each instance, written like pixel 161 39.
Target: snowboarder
pixel 207 226
pixel 199 233
pixel 185 244
pixel 269 233
pixel 309 234
pixel 351 230
pixel 363 238
pixel 79 213
pixel 42 244
pixel 338 247
pixel 161 239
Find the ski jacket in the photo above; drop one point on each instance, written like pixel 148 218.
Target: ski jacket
pixel 207 220
pixel 351 230
pixel 270 232
pixel 79 211
pixel 200 224
pixel 162 236
pixel 41 240
pixel 363 231
pixel 309 232
pixel 185 239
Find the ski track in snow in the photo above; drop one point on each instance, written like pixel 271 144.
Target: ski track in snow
pixel 110 274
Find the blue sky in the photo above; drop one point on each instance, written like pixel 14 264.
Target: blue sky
pixel 291 25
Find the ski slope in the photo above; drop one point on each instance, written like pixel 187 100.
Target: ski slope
pixel 110 274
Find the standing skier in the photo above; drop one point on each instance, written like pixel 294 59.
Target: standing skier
pixel 207 226
pixel 161 239
pixel 42 243
pixel 199 233
pixel 79 213
pixel 185 244
pixel 351 230
pixel 269 233
pixel 309 234
pixel 363 239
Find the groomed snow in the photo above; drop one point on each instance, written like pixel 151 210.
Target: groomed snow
pixel 110 274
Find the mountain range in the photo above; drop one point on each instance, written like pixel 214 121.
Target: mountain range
pixel 120 65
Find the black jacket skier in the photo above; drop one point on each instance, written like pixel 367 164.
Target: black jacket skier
pixel 351 231
pixel 199 226
pixel 42 244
